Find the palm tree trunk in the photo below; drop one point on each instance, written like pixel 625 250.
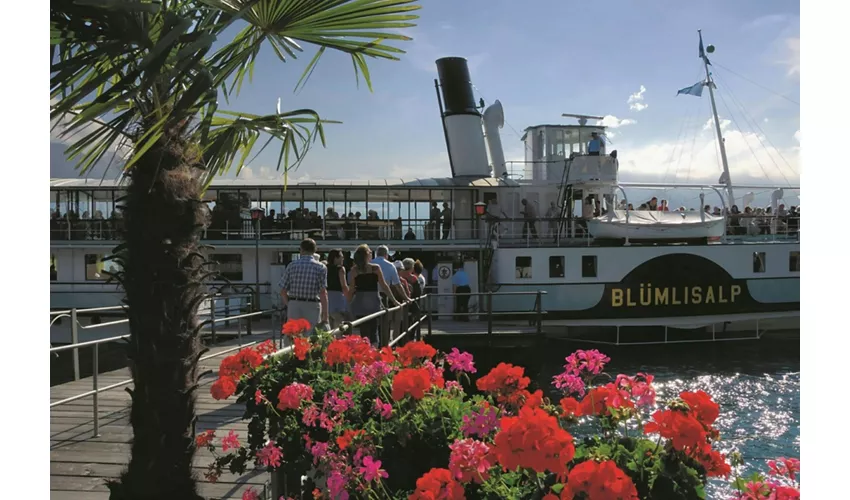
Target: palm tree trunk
pixel 163 277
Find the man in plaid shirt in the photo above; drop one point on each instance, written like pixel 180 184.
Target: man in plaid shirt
pixel 304 287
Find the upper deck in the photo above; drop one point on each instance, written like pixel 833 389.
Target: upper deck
pixel 248 213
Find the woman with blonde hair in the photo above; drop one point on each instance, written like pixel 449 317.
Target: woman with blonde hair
pixel 363 295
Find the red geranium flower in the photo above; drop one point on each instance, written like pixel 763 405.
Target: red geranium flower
pixel 702 407
pixel 599 480
pixel 503 381
pixel 302 347
pixel 240 363
pixel 533 440
pixel 295 327
pixel 413 381
pixel 223 388
pixel 571 407
pixel 599 400
pixel 714 462
pixel 350 349
pixel 347 437
pixel 683 429
pixel 415 351
pixel 437 484
pixel 205 438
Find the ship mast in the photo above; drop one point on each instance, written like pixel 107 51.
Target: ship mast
pixel 726 178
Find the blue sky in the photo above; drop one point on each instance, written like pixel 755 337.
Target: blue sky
pixel 556 56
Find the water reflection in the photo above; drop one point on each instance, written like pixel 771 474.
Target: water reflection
pixel 757 385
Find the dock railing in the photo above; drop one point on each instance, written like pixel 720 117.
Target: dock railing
pixel 76 345
pixel 536 312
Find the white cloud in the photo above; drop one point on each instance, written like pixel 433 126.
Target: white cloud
pixel 709 125
pixel 766 120
pixel 612 121
pixel 797 136
pixel 792 56
pixel 764 21
pixel 696 160
pixel 635 100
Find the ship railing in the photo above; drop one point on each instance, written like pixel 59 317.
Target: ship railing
pixel 75 347
pixel 739 226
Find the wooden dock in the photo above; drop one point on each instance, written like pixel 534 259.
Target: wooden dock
pixel 80 464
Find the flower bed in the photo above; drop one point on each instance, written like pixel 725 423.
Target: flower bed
pixel 409 423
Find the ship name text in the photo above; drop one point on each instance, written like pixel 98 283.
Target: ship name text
pixel 650 296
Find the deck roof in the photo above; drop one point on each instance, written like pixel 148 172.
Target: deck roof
pixel 428 183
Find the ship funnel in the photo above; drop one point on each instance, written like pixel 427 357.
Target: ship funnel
pixel 461 120
pixel 494 119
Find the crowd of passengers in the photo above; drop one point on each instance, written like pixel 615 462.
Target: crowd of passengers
pixel 750 222
pixel 303 222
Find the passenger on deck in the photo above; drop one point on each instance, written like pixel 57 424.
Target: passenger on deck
pixel 529 212
pixel 304 287
pixel 337 288
pixel 398 292
pixel 461 289
pixel 447 220
pixel 366 278
pixel 433 227
pixel 552 216
pixel 663 206
pixel 594 146
pixel 410 235
pixel 653 204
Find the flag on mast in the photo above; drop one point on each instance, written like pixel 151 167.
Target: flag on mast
pixel 695 89
pixel 702 50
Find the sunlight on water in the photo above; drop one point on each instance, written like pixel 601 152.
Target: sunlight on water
pixel 756 385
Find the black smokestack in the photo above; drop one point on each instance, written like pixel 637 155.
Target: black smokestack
pixel 458 98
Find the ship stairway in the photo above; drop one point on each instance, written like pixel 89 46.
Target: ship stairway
pixel 565 200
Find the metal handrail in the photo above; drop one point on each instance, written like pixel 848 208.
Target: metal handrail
pixel 348 325
pixel 95 365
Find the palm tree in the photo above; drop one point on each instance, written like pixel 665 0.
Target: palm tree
pixel 150 74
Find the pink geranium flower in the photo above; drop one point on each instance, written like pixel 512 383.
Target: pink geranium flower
pixel 250 494
pixel 480 422
pixel 270 455
pixel 460 361
pixel 468 461
pixel 372 470
pixel 569 383
pixel 230 441
pixel 385 410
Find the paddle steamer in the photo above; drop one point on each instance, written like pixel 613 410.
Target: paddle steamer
pixel 598 262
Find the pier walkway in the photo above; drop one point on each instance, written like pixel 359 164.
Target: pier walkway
pixel 80 463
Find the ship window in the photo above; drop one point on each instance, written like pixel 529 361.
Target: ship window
pixel 556 266
pixel 523 267
pixel 759 262
pixel 588 266
pixel 97 269
pixel 54 272
pixel 794 262
pixel 228 266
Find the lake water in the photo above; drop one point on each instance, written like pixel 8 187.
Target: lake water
pixel 756 384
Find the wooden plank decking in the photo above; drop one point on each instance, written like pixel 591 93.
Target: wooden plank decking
pixel 80 463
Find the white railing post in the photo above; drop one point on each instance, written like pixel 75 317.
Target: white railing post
pixel 75 339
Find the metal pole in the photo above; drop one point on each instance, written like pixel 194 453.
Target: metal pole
pixel 710 83
pixel 490 313
pixel 95 369
pixel 212 319
pixel 248 330
pixel 429 315
pixel 75 339
pixel 227 311
pixel 539 312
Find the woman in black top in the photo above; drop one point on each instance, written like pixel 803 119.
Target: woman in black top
pixel 363 296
